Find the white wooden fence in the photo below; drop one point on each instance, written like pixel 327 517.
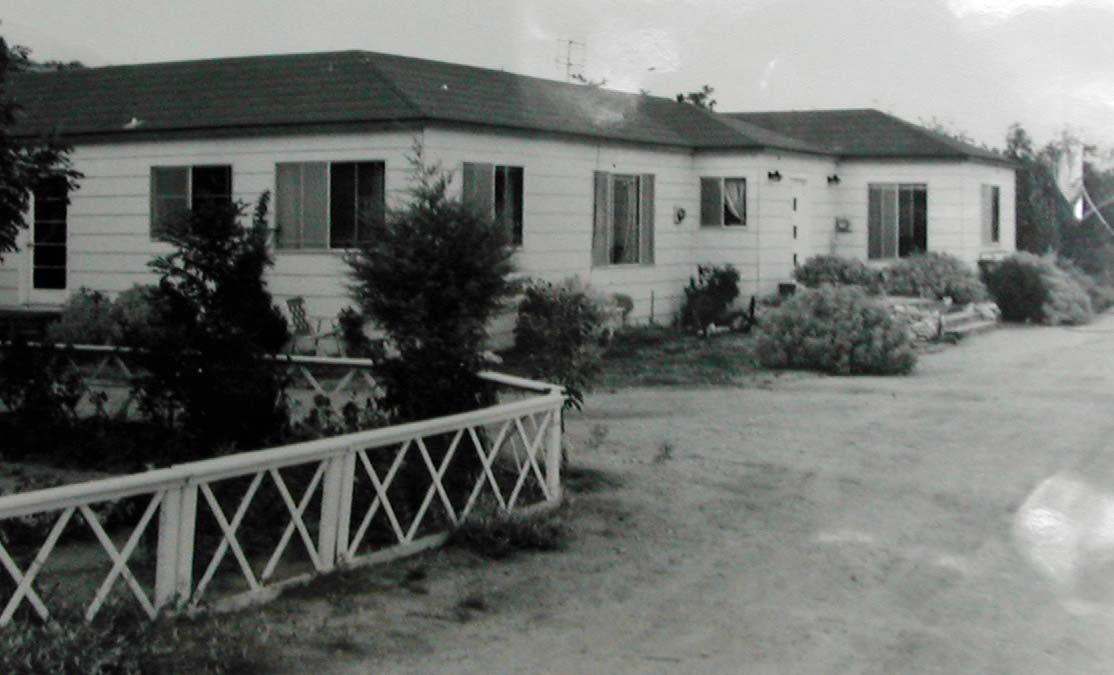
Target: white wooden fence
pixel 348 481
pixel 110 370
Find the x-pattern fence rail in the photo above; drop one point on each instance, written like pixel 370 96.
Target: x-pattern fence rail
pixel 343 501
pixel 108 373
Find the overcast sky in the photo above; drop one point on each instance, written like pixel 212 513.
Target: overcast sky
pixel 977 65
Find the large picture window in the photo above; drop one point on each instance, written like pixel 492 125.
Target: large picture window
pixel 897 222
pixel 322 205
pixel 497 191
pixel 176 189
pixel 723 201
pixel 623 225
pixel 991 214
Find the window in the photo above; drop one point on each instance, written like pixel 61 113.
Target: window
pixel 623 224
pixel 48 255
pixel 723 201
pixel 176 189
pixel 322 205
pixel 497 191
pixel 897 220
pixel 991 214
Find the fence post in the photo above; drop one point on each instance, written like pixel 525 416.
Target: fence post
pixel 553 454
pixel 174 556
pixel 336 509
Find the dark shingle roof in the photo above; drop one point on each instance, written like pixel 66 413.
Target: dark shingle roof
pixel 355 87
pixel 864 133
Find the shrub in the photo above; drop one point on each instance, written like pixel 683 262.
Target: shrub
pixel 499 534
pixel 1033 288
pixel 934 275
pixel 136 313
pixel 709 295
pixel 835 329
pixel 352 336
pixel 36 385
pixel 85 319
pixel 122 641
pixel 1102 296
pixel 433 275
pixel 555 334
pixel 837 270
pixel 213 324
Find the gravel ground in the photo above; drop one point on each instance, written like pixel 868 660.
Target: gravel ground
pixel 947 522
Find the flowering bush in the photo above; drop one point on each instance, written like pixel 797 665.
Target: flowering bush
pixel 835 329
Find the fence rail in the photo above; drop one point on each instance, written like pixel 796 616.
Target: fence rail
pixel 343 501
pixel 111 370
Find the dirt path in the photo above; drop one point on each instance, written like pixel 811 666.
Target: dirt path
pixel 804 525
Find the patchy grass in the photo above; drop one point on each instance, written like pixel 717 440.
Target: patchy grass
pixel 654 356
pixel 583 480
pixel 497 535
pixel 664 454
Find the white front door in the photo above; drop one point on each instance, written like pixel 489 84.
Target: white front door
pixel 798 221
pixel 45 268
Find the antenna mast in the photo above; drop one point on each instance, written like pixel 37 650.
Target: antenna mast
pixel 569 58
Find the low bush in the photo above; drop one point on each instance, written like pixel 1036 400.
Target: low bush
pixel 86 319
pixel 1101 295
pixel 839 271
pixel 499 534
pixel 709 296
pixel 555 334
pixel 122 641
pixel 1031 288
pixel 835 329
pixel 934 275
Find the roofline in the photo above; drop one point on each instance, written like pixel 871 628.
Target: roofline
pixel 942 157
pixel 229 131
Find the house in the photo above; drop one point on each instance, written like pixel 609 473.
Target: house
pixel 630 192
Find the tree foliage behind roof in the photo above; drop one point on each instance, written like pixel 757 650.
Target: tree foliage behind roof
pixel 23 164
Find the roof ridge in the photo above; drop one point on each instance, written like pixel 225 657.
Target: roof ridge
pixel 954 144
pixel 369 59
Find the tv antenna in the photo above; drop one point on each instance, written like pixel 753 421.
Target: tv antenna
pixel 571 54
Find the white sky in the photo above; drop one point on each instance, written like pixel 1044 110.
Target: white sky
pixel 977 65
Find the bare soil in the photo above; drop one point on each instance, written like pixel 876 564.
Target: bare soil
pixel 793 524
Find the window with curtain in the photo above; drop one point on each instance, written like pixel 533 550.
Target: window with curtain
pixel 723 201
pixel 897 220
pixel 322 205
pixel 497 190
pixel 178 189
pixel 623 224
pixel 991 214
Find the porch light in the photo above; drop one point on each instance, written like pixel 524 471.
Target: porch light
pixel 833 179
pixel 774 175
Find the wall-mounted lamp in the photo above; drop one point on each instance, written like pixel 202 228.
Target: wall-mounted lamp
pixel 774 175
pixel 678 215
pixel 833 179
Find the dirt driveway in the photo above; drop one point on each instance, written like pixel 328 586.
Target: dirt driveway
pixel 801 525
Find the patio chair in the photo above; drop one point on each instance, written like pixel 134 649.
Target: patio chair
pixel 304 329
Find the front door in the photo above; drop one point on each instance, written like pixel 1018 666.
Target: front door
pixel 799 221
pixel 46 274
